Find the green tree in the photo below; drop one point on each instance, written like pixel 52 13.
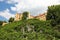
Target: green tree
pixel 11 19
pixel 53 14
pixel 1 22
pixel 25 15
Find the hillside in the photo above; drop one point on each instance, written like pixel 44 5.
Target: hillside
pixel 31 29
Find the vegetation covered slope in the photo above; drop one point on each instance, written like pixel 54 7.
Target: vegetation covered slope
pixel 34 29
pixel 31 29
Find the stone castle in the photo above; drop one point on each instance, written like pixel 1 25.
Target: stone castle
pixel 19 16
pixel 42 17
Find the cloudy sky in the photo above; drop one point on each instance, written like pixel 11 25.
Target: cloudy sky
pixel 8 8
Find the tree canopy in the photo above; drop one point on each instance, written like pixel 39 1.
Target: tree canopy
pixel 1 22
pixel 25 15
pixel 11 19
pixel 53 14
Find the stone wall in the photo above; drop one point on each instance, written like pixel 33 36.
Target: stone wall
pixel 40 16
pixel 4 23
pixel 18 17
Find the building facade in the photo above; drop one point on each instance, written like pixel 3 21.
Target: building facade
pixel 18 16
pixel 40 16
pixel 4 23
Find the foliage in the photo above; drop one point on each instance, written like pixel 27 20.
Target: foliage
pixel 25 15
pixel 1 22
pixel 32 29
pixel 53 14
pixel 11 19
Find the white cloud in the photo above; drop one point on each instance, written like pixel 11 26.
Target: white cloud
pixel 13 8
pixel 6 14
pixel 29 4
pixel 1 0
pixel 34 3
pixel 10 1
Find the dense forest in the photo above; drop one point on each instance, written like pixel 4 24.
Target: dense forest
pixel 33 29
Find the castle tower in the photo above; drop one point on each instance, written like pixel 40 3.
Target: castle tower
pixel 18 17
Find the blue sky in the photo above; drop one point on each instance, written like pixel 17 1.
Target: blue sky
pixel 8 8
